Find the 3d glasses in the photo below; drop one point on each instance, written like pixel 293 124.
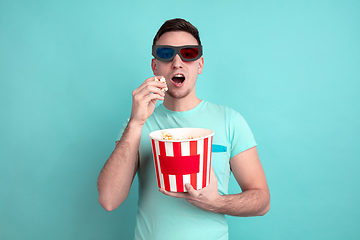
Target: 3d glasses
pixel 166 53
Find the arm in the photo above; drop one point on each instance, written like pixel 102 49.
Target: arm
pixel 254 200
pixel 255 197
pixel 118 173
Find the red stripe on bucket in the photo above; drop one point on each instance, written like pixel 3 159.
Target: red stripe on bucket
pixel 166 176
pixel 205 162
pixel 193 176
pixel 156 166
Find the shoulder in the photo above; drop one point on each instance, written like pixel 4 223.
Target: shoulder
pixel 222 109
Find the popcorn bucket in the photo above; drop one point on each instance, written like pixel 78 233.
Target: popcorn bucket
pixel 182 155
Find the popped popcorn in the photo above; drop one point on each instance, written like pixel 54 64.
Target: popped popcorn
pixel 162 79
pixel 168 136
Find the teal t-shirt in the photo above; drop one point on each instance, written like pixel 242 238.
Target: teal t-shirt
pixel 163 217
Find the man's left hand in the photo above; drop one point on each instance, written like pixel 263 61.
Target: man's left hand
pixel 207 198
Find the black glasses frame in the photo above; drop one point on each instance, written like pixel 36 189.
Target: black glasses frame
pixel 177 51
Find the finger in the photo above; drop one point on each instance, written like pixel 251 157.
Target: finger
pixel 152 97
pixel 174 194
pixel 144 97
pixel 151 89
pixel 212 174
pixel 192 192
pixel 142 85
pixel 147 89
pixel 151 82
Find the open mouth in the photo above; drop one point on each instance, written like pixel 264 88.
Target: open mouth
pixel 178 79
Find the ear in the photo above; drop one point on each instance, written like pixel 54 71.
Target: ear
pixel 153 66
pixel 201 65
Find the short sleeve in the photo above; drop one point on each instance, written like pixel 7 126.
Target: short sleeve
pixel 122 130
pixel 241 136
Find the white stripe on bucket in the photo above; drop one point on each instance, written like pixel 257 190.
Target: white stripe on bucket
pixel 161 177
pixel 185 151
pixel 170 153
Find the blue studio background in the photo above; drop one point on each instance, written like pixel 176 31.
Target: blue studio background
pixel 67 70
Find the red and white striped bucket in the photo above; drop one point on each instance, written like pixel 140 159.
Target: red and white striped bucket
pixel 182 160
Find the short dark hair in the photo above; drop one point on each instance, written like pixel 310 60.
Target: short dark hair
pixel 177 25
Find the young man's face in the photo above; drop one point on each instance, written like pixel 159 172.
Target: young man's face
pixel 180 75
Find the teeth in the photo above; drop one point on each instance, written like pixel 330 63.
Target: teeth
pixel 179 75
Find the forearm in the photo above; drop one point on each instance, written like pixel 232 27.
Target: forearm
pixel 251 202
pixel 255 202
pixel 117 175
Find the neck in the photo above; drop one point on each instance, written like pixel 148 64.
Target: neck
pixel 181 104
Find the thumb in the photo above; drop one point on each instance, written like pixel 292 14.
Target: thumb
pixel 212 175
pixel 192 192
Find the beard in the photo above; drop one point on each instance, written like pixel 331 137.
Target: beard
pixel 178 95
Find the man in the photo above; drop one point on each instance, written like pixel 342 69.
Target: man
pixel 197 214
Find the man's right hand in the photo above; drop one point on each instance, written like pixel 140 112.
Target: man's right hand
pixel 145 98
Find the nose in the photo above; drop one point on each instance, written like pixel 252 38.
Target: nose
pixel 177 62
